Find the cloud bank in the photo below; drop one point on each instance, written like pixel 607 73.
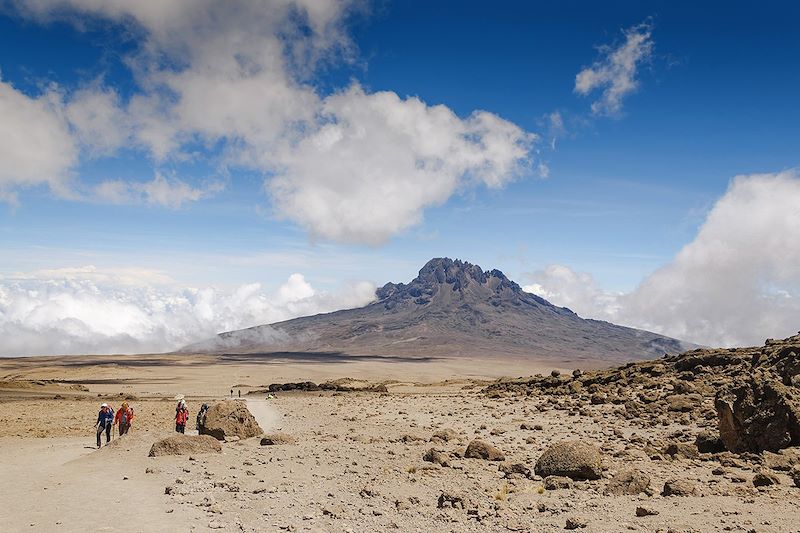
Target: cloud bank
pixel 615 71
pixel 95 311
pixel 736 283
pixel 350 166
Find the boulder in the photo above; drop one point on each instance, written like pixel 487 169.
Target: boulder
pixel 758 414
pixel 573 459
pixel 230 418
pixel 478 449
pixel 185 445
pixel 681 450
pixel 765 478
pixel 679 487
pixel 515 470
pixel 435 456
pixel 631 481
pixel 708 442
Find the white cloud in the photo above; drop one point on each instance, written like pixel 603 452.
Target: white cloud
pixel 615 71
pixel 161 191
pixel 352 166
pixel 375 161
pixel 97 311
pixel 98 121
pixel 736 283
pixel 36 146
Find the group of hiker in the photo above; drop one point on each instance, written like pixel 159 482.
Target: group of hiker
pixel 107 419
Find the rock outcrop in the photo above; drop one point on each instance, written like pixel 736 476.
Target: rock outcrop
pixel 230 418
pixel 752 393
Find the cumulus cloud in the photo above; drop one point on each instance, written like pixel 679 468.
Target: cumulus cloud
pixel 161 191
pixel 615 71
pixel 352 166
pixel 36 145
pixel 93 311
pixel 375 161
pixel 736 283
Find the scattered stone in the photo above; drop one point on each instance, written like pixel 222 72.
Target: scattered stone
pixel 573 459
pixel 435 456
pixel 645 511
pixel 444 435
pixel 682 450
pixel 277 439
pixel 765 478
pixel 450 500
pixel 557 482
pixel 679 487
pixel 575 522
pixel 515 470
pixel 631 481
pixel 478 449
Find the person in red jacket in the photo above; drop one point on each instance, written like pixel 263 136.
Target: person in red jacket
pixel 124 417
pixel 181 416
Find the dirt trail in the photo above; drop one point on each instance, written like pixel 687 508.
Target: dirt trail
pixel 266 414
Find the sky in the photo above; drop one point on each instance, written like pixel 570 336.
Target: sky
pixel 172 170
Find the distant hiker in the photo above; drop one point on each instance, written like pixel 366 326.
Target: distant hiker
pixel 201 418
pixel 124 418
pixel 240 393
pixel 181 416
pixel 231 393
pixel 105 419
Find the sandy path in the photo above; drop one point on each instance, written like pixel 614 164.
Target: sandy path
pixel 65 485
pixel 265 413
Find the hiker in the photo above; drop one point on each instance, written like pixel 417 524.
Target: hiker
pixel 105 419
pixel 124 417
pixel 231 393
pixel 201 418
pixel 181 416
pixel 240 393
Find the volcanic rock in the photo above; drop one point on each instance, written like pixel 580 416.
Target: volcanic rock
pixel 631 481
pixel 230 418
pixel 573 459
pixel 679 487
pixel 478 449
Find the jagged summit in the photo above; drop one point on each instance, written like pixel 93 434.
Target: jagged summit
pixel 452 308
pixel 442 274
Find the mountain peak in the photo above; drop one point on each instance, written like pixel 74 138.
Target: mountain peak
pixel 442 275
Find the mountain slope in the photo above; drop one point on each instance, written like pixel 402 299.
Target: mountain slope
pixel 452 308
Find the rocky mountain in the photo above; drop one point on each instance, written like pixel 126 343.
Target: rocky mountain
pixel 452 308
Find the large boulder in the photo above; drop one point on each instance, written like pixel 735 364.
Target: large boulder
pixel 758 414
pixel 185 445
pixel 573 459
pixel 230 418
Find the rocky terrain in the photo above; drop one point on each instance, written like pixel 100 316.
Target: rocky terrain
pixel 703 441
pixel 452 308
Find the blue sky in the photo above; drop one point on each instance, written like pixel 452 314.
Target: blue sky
pixel 713 96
